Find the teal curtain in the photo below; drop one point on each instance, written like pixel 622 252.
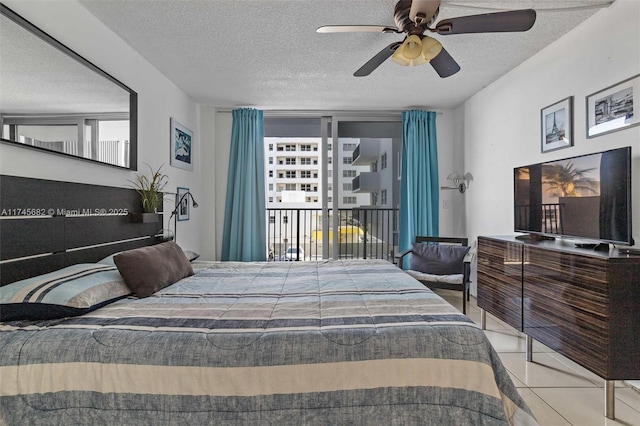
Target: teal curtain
pixel 419 193
pixel 244 236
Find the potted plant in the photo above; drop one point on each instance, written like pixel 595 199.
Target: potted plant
pixel 150 190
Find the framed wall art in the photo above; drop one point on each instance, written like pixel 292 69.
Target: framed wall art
pixel 181 146
pixel 614 108
pixel 557 125
pixel 183 199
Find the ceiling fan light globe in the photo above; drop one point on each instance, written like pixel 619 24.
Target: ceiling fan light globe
pixel 418 61
pixel 430 48
pixel 412 47
pixel 399 58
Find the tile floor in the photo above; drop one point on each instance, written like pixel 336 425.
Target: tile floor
pixel 558 391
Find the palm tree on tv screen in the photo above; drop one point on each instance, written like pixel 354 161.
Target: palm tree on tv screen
pixel 565 180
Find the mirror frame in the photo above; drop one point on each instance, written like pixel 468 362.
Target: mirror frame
pixel 133 96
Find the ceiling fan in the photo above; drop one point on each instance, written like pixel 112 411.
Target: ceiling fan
pixel 415 18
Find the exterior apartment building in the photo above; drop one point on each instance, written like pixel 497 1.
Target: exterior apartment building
pixel 362 177
pixel 294 173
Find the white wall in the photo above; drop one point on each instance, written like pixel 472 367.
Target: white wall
pixel 502 122
pixel 158 100
pixel 450 158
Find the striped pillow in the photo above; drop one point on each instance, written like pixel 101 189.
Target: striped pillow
pixel 70 291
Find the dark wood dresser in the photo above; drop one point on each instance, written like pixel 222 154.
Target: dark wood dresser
pixel 582 303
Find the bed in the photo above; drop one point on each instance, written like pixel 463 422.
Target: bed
pixel 328 342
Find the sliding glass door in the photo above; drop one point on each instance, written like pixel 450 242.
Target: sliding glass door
pixel 332 186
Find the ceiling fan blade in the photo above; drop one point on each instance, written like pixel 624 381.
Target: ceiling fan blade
pixel 514 20
pixel 427 8
pixel 356 29
pixel 444 64
pixel 377 60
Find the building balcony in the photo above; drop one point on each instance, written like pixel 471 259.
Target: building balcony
pixel 366 182
pixel 365 154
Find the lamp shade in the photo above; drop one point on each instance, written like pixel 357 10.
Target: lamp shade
pixel 399 58
pixel 455 177
pixel 430 48
pixel 412 47
pixel 415 51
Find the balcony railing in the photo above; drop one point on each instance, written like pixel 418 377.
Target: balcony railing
pixel 363 233
pixel 549 217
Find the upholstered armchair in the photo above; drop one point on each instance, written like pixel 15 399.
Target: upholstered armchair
pixel 440 262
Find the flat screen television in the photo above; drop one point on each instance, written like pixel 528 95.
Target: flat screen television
pixel 587 197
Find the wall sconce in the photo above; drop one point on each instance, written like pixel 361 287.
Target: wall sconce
pixel 460 182
pixel 174 213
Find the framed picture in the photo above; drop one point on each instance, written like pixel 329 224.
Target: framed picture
pixel 181 146
pixel 183 207
pixel 557 125
pixel 614 108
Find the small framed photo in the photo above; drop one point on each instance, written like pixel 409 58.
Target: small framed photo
pixel 614 108
pixel 557 125
pixel 183 207
pixel 181 146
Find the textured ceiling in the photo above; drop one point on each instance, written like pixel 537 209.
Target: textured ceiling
pixel 266 53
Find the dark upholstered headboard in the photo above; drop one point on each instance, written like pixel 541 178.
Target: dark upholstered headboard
pixel 46 225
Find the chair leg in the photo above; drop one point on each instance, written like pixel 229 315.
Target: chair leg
pixel 464 302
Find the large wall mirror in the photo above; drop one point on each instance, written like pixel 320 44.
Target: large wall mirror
pixel 53 99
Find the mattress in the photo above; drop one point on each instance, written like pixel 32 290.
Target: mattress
pixel 328 342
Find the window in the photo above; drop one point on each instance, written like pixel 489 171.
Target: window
pixel 383 197
pixel 374 198
pixel 305 174
pixel 305 161
pixel 305 147
pixel 270 187
pixel 315 188
pixel 329 173
pixel 328 147
pixel 290 187
pixel 281 175
pixel 271 199
pixel 290 174
pixel 330 160
pixel 280 148
pixel 347 160
pixel 285 219
pixel 315 175
pixel 383 161
pixel 270 173
pixel 290 160
pixel 348 146
pixel 374 166
pixel 270 160
pixel 272 219
pixel 347 186
pixel 348 173
pixel 330 199
pixel 315 161
pixel 270 147
pixel 305 187
pixel 348 200
pixel 330 187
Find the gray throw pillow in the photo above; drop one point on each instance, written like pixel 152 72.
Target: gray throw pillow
pixel 437 259
pixel 148 269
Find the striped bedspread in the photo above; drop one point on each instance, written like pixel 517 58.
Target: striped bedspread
pixel 286 343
